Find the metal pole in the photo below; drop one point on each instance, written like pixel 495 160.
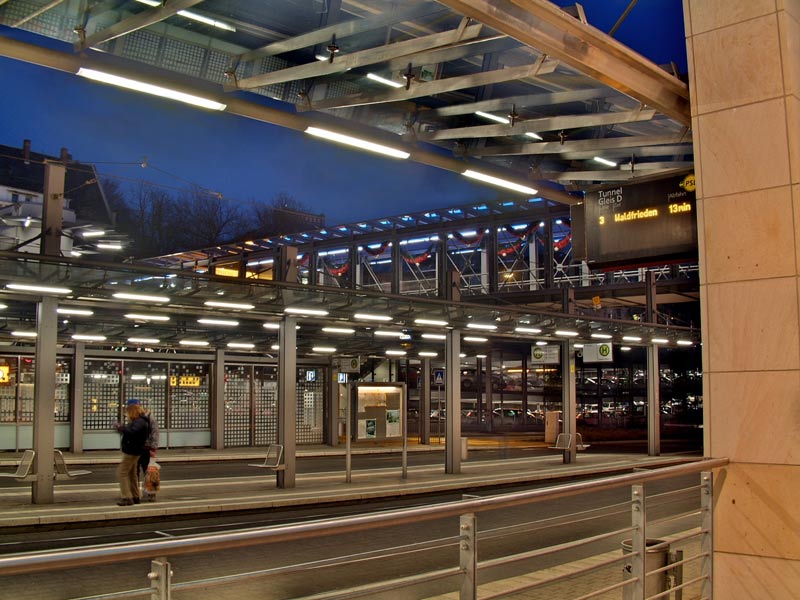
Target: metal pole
pixel 653 402
pixel 639 541
pixel 287 401
pixel 404 426
pixel 44 392
pixel 452 448
pixel 568 398
pixel 160 577
pixel 707 541
pixel 468 557
pixel 348 461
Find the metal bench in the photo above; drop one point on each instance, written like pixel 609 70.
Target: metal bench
pixel 273 459
pixel 23 472
pixel 61 471
pixel 564 442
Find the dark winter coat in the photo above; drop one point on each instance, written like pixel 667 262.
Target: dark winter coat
pixel 134 436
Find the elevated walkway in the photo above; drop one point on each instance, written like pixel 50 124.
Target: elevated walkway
pixel 78 502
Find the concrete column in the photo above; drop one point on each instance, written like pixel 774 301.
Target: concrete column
pixel 425 401
pixel 568 396
pixel 287 400
pixel 218 402
pixel 744 78
pixel 44 404
pixel 76 408
pixel 53 208
pixel 452 374
pixel 332 401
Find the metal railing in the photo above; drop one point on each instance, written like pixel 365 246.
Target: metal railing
pixel 461 579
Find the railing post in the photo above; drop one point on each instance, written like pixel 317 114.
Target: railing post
pixel 707 541
pixel 639 542
pixel 468 556
pixel 160 577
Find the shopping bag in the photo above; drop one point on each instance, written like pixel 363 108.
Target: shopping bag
pixel 152 478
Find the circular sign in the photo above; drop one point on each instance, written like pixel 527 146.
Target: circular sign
pixel 538 353
pixel 604 350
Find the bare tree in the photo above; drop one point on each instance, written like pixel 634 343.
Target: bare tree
pixel 282 214
pixel 206 220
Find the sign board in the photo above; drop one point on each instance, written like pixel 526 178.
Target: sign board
pixel 642 221
pixel 438 377
pixel 349 365
pixel 341 377
pixel 4 374
pixel 185 381
pixel 546 355
pixel 593 353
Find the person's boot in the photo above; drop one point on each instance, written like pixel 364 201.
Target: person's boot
pixel 124 502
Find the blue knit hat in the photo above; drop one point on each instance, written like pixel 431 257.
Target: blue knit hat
pixel 132 402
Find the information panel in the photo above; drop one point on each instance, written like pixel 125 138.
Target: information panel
pixel 641 222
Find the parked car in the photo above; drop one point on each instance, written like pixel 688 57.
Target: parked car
pixel 469 380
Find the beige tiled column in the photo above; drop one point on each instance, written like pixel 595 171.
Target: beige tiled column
pixel 744 67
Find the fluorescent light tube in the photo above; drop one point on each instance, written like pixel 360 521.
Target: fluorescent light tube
pixel 137 340
pixel 193 343
pixel 87 234
pixel 429 354
pixel 234 305
pixel 434 336
pixel 109 246
pixel 224 322
pixel 541 343
pixel 325 349
pixel 140 297
pixel 271 325
pixel 141 317
pixel 492 117
pixel 685 343
pixel 659 340
pixel 309 312
pixel 604 161
pixel 384 81
pixel 625 348
pixel 469 338
pixel 275 347
pixel 395 352
pixel 527 330
pixel 343 330
pixel 27 334
pixel 510 185
pixel 483 326
pixel 356 143
pixel 2 306
pixel 601 336
pixel 631 338
pixel 88 338
pixel 75 311
pixel 431 322
pixel 371 317
pixel 243 345
pixel 566 333
pixel 148 88
pixel 386 333
pixel 44 289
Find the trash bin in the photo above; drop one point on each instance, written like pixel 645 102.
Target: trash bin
pixel 655 558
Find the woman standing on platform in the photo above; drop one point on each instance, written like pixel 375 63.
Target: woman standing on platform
pixel 134 436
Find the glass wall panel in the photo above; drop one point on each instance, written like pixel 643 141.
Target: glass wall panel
pixel 237 405
pixel 8 389
pixel 265 390
pixel 101 394
pixel 310 402
pixel 189 386
pixel 27 374
pixel 63 414
pixel 147 381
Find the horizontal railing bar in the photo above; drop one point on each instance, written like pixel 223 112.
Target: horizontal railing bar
pixel 669 567
pixel 496 562
pixel 140 593
pixel 662 495
pixel 677 517
pixel 555 578
pixel 677 587
pixel 392 584
pixel 106 554
pixel 606 589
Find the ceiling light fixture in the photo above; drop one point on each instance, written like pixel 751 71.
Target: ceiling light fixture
pixel 601 336
pixel 684 343
pixel 243 345
pixel 75 311
pixel 141 297
pixel 604 161
pixel 395 352
pixel 271 325
pixel 659 340
pixel 631 338
pixel 469 338
pixel 234 305
pixel 26 334
pixel 426 354
pixel 193 16
pixel 504 183
pixel 356 142
pixel 342 330
pixel 566 333
pixel 433 322
pixel 324 349
pixel 88 338
pixel 533 330
pixel 142 317
pixel 138 340
pixel 372 317
pixel 541 343
pixel 149 88
pixel 308 312
pixel 102 246
pixel 95 233
pixel 44 289
pixel 224 322
pixel 384 80
pixel 193 343
pixel 482 326
pixel 625 348
pixel 434 336
pixel 387 333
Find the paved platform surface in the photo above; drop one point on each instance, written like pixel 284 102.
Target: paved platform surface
pixel 76 502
